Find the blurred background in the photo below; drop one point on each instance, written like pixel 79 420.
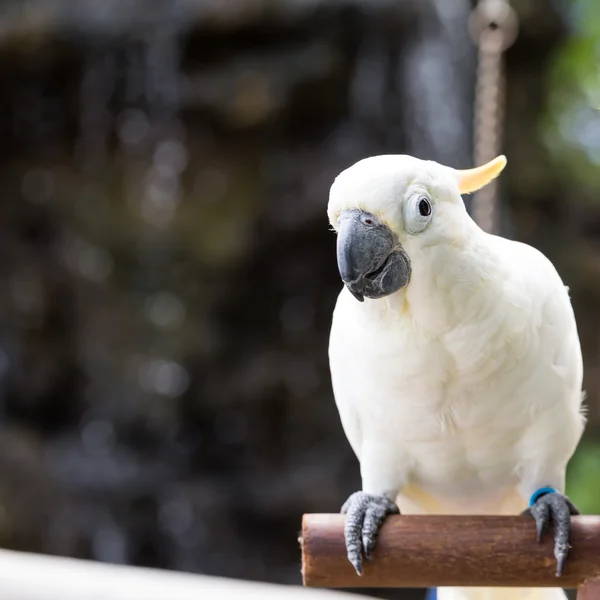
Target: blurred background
pixel 167 273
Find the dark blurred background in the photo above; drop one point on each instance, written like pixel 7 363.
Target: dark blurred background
pixel 167 273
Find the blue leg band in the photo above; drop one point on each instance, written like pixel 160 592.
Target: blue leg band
pixel 431 594
pixel 539 493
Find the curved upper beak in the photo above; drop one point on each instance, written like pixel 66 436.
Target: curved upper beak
pixel 363 245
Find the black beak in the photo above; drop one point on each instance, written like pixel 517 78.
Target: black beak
pixel 370 260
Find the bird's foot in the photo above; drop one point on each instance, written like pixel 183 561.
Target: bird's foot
pixel 557 509
pixel 365 514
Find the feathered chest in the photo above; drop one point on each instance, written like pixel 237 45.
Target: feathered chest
pixel 398 375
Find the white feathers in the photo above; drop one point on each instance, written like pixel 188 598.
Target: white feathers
pixel 379 183
pixel 461 392
pixel 500 594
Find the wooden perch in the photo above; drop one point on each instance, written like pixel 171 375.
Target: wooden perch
pixel 25 576
pixel 432 551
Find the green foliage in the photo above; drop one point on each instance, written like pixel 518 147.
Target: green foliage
pixel 583 477
pixel 571 128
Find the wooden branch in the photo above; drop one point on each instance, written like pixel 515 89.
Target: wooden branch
pixel 589 590
pixel 26 576
pixel 426 551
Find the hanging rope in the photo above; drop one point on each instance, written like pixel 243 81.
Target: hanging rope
pixel 493 25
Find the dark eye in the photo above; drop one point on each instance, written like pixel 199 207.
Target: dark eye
pixel 424 207
pixel 368 219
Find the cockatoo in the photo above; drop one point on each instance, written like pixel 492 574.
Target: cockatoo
pixel 455 359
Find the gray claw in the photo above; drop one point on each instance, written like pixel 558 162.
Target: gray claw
pixel 560 563
pixel 555 508
pixel 365 514
pixel 542 519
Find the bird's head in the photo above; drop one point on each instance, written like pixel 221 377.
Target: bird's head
pixel 387 209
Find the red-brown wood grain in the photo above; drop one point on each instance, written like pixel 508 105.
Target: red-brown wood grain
pixel 425 551
pixel 589 590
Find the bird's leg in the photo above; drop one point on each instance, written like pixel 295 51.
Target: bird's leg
pixel 365 514
pixel 547 506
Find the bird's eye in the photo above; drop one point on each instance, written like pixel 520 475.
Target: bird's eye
pixel 418 212
pixel 368 219
pixel 424 207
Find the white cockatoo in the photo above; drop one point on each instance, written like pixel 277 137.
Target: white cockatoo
pixel 455 359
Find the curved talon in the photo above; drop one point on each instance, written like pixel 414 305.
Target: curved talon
pixel 365 514
pixel 555 508
pixel 374 517
pixel 352 534
pixel 542 520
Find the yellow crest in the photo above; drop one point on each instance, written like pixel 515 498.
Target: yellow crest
pixel 470 180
